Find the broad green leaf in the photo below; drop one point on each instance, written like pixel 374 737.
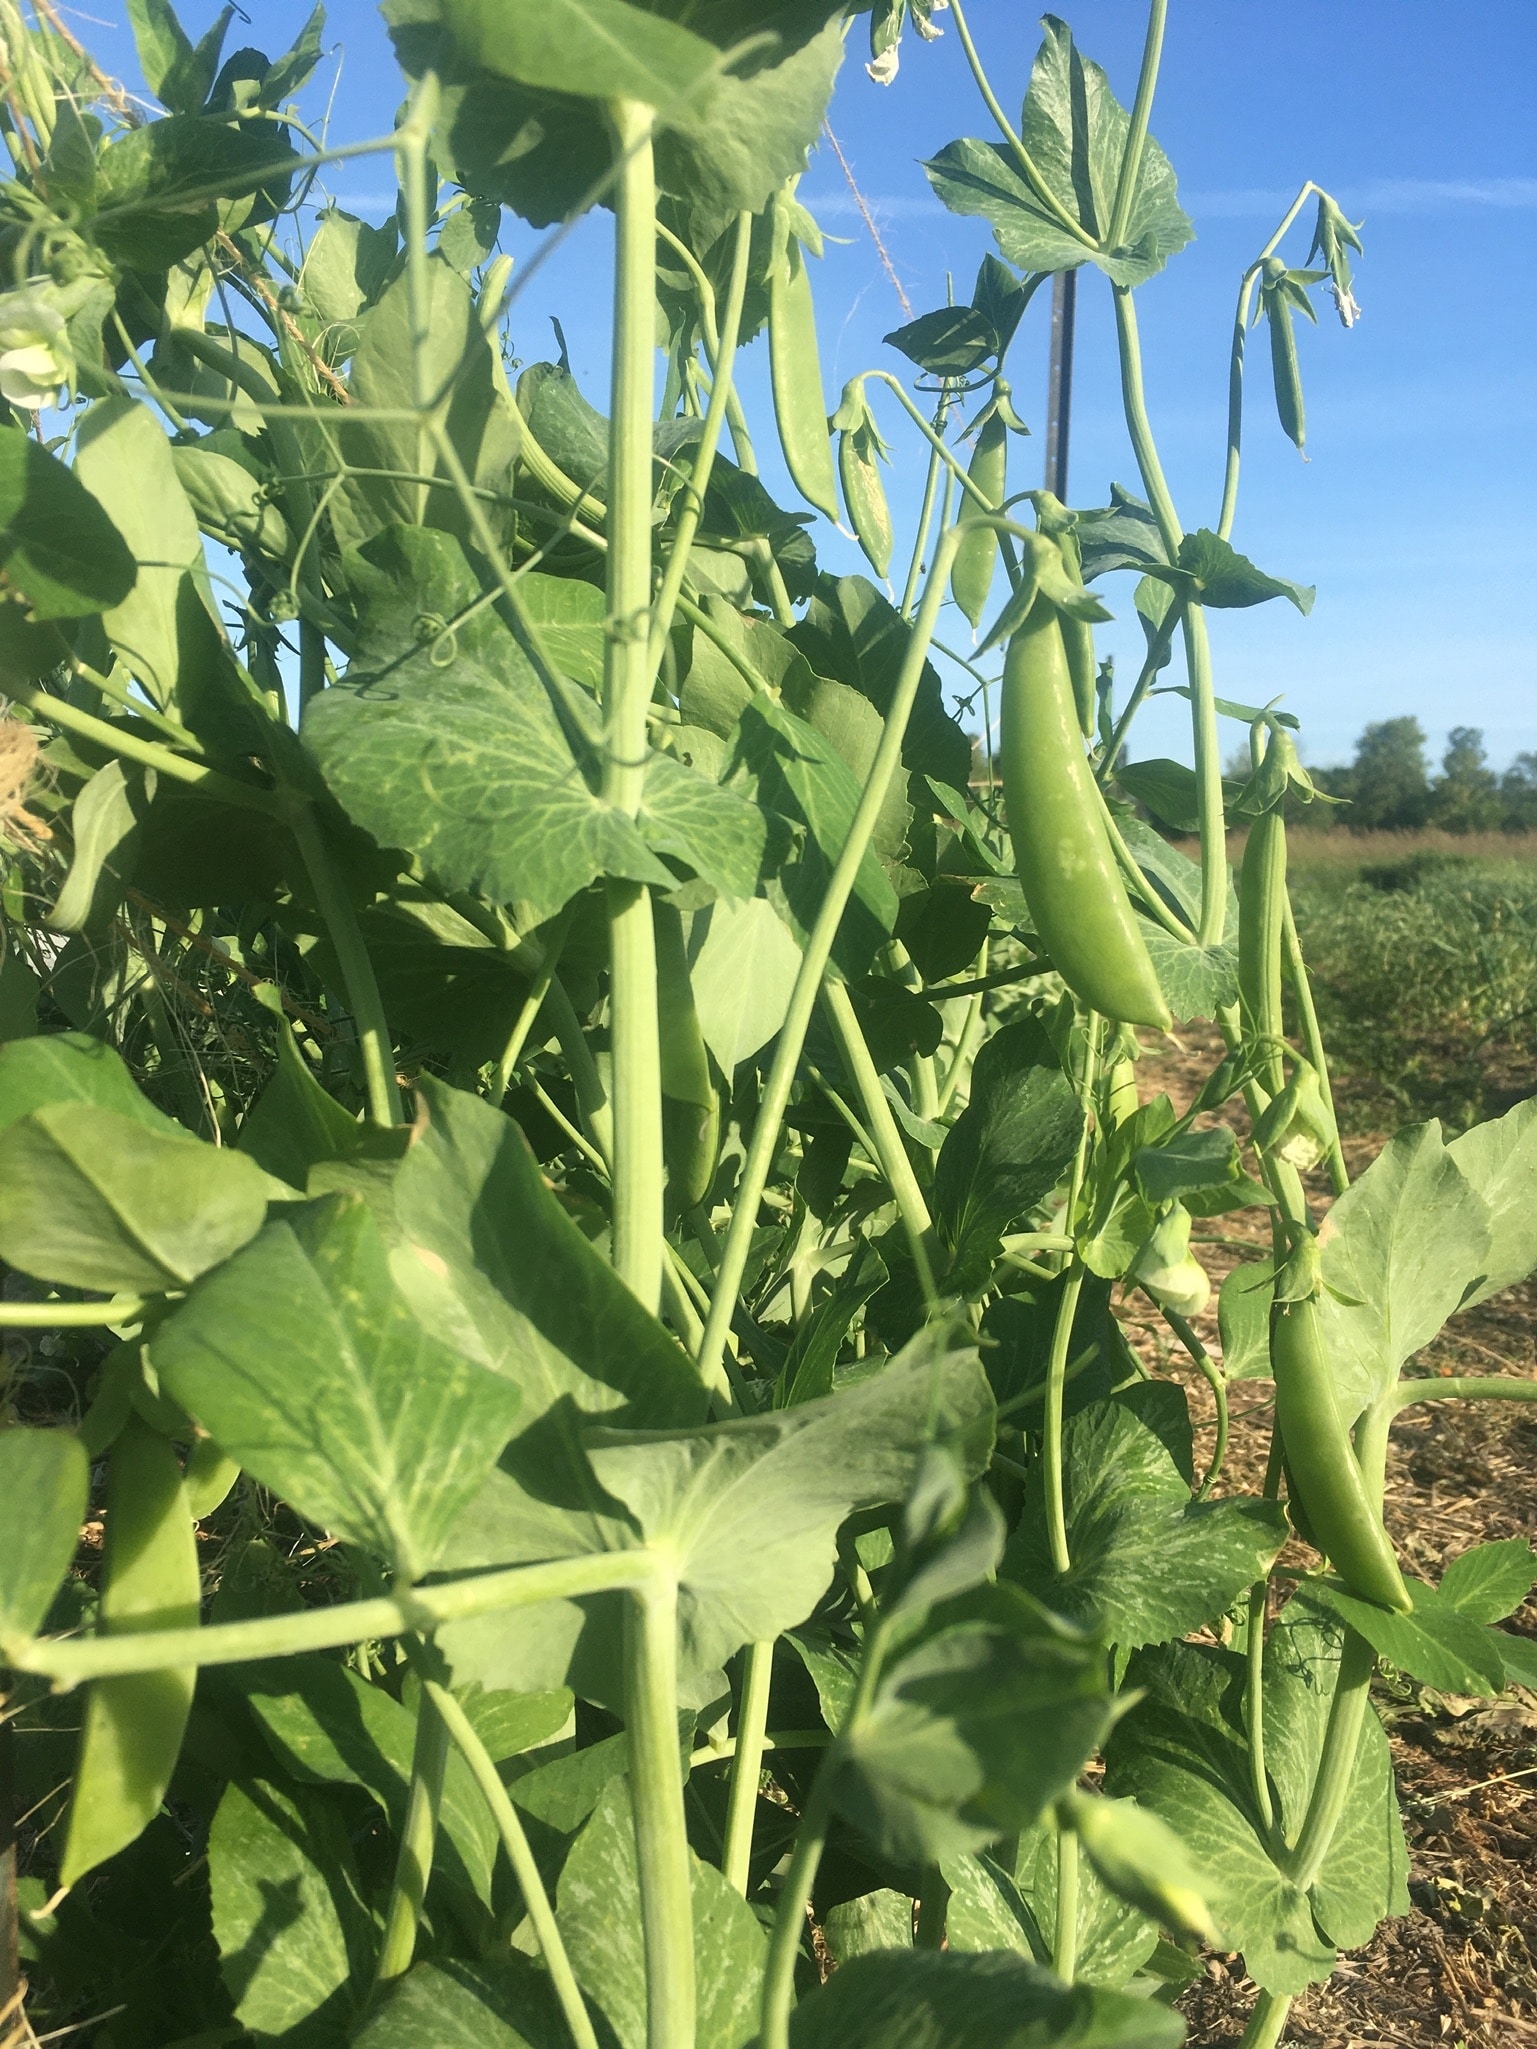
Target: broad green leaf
pixel 302 1360
pixel 72 1067
pixel 874 1920
pixel 1492 1580
pixel 743 961
pixel 719 834
pixel 600 1921
pixel 292 1931
pixel 153 185
pixel 293 1123
pixel 1364 1875
pixel 751 1509
pixel 980 1721
pixel 1221 577
pixel 847 719
pixel 926 1999
pixel 91 1198
pixel 954 341
pixel 1006 1898
pixel 1197 981
pixel 569 615
pixel 488 1257
pixel 1074 130
pixel 1006 1151
pixel 595 49
pixel 345 268
pixel 1518 1655
pixel 1126 1494
pixel 1121 535
pixel 786 766
pixel 1243 1315
pixel 1499 1160
pixel 125 461
pixel 1407 1242
pixel 44 1482
pixel 454 2005
pixel 1193 1162
pixel 61 554
pixel 1438 1643
pixel 159 39
pixel 325 1725
pixel 104 823
pixel 229 503
pixel 454 750
pixel 1180 1751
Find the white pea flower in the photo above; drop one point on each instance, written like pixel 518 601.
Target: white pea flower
pixel 35 355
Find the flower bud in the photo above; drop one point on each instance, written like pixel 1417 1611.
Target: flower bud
pixel 1168 1269
pixel 1297 1126
pixel 35 355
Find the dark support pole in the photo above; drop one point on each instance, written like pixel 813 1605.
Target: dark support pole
pixel 1059 388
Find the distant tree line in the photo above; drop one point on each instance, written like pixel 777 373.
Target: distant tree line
pixel 1389 786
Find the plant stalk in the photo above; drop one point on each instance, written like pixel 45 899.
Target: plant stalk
pixel 1064 1947
pixel 883 1128
pixel 1136 134
pixel 413 1855
pixel 357 969
pixel 661 1838
pixel 1267 2023
pixel 747 1763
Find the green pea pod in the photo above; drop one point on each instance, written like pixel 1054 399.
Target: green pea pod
pixel 1284 368
pixel 795 363
pixel 1078 640
pixel 971 573
pixel 1067 867
pixel 865 496
pixel 1322 1465
pixel 133 1726
pixel 690 1100
pixel 1261 918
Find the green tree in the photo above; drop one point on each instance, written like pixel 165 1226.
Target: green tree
pixel 1518 795
pixel 1389 787
pixel 1466 796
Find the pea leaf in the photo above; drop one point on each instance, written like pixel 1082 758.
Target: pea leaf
pixel 1074 130
pixel 91 1198
pixel 72 1067
pixel 1007 1150
pixel 104 822
pixel 61 554
pixel 596 49
pixel 294 1124
pixel 1195 1162
pixel 1243 1315
pixel 454 2005
pixel 1221 577
pixel 743 962
pixel 44 1480
pixel 153 186
pixel 926 1999
pixel 950 342
pixel 1410 1238
pixel 1438 1643
pixel 1498 1159
pixel 1127 1480
pixel 1197 981
pixel 1121 535
pixel 599 1910
pixel 1492 1580
pixel 1006 1898
pixel 302 1360
pixel 289 1974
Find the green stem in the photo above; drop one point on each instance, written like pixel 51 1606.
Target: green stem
pixel 357 969
pixel 747 1765
pixel 413 1856
pixel 1136 133
pixel 819 944
pixel 1337 1762
pixel 411 162
pixel 1043 192
pixel 926 512
pixel 883 1128
pixel 723 363
pixel 790 1917
pixel 1254 1697
pixel 1215 1379
pixel 591 1098
pixel 1134 402
pixel 1302 989
pixel 661 1838
pixel 1267 2023
pixel 73 1315
pixel 970 1038
pixel 627 673
pixel 208 781
pixel 1236 363
pixel 1208 770
pixel 1131 868
pixel 1051 1429
pixel 1064 1947
pixel 1462 1388
pixel 933 1908
pixel 70 1661
pixel 533 1003
pixel 1157 655
pixel 514 1840
pixel 312 664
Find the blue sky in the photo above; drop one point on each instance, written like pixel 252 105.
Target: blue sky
pixel 1413 516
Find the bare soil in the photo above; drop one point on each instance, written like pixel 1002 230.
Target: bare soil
pixel 1460 1970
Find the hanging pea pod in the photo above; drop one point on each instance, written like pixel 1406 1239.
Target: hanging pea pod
pixel 134 1725
pixel 795 363
pixel 1283 294
pixel 690 1100
pixel 860 450
pixel 971 573
pixel 1067 867
pixel 1297 1127
pixel 1321 1464
pixel 1168 1269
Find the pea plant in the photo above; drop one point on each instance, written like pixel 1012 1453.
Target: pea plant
pixel 582 1165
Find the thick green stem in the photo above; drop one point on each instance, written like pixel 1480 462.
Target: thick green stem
pixel 208 781
pixel 1208 772
pixel 661 1838
pixel 1134 402
pixel 413 1855
pixel 747 1765
pixel 933 1910
pixel 819 945
pixel 1064 1947
pixel 1215 1379
pixel 70 1661
pixel 1254 1700
pixel 1462 1388
pixel 883 1128
pixel 969 1040
pixel 1136 133
pixel 73 1315
pixel 1267 2023
pixel 1337 1763
pixel 514 1840
pixel 637 1157
pixel 533 1003
pixel 356 968
pixel 1051 1428
pixel 926 511
pixel 790 1919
